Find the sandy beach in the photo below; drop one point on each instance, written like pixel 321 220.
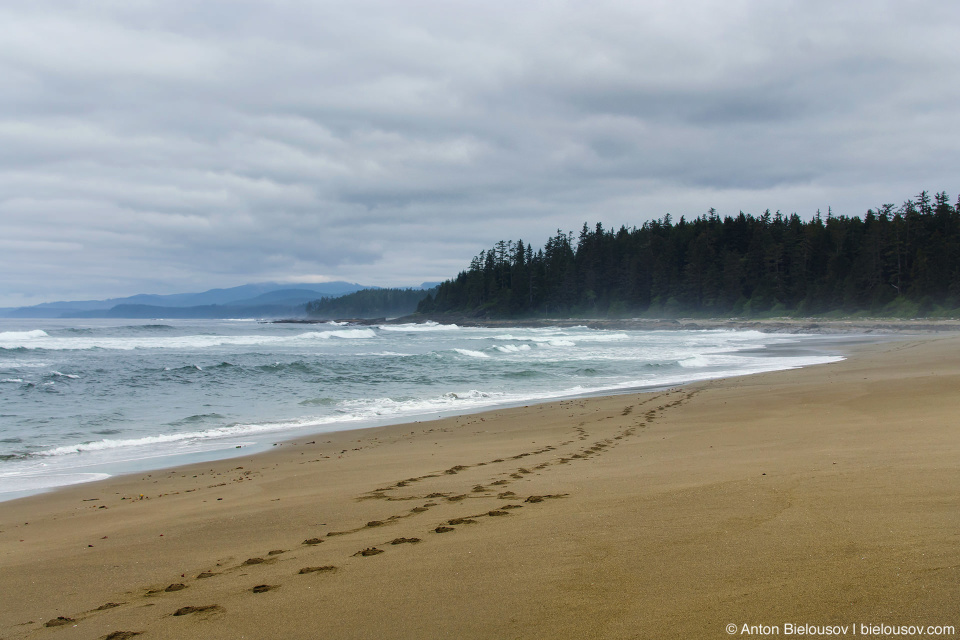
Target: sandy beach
pixel 821 496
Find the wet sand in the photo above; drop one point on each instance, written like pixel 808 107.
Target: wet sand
pixel 827 495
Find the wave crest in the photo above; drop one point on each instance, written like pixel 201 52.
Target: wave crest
pixel 471 354
pixel 419 327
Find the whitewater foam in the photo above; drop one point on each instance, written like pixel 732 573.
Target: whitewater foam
pixel 169 438
pixel 129 343
pixel 552 341
pixel 512 348
pixel 471 353
pixel 418 327
pixel 20 339
pixel 346 334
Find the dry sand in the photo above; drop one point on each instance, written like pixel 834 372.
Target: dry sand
pixel 828 495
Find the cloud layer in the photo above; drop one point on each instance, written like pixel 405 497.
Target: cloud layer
pixel 171 146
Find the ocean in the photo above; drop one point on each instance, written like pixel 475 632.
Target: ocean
pixel 81 400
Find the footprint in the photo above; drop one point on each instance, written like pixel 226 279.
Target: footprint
pixel 59 621
pixel 250 561
pixel 183 611
pixel 369 551
pixel 533 499
pixel 443 529
pixel 263 588
pixel 324 569
pixel 405 541
pixel 121 635
pixel 169 589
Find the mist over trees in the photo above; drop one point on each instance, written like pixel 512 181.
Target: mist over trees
pixel 367 303
pixel 894 261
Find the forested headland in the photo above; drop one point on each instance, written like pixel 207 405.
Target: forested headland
pixel 367 303
pixel 894 261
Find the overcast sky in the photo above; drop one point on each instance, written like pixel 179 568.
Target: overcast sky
pixel 171 146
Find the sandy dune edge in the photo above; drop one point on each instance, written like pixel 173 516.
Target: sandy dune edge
pixel 827 495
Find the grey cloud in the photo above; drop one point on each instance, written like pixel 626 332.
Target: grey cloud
pixel 156 146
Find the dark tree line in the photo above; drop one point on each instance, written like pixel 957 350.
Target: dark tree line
pixel 893 261
pixel 367 303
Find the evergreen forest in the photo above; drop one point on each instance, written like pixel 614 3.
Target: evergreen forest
pixel 367 303
pixel 894 261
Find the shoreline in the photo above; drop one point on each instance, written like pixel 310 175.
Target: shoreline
pixel 826 326
pixel 240 445
pixel 810 495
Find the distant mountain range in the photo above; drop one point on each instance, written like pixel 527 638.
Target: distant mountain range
pixel 263 300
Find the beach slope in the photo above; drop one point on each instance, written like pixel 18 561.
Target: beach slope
pixel 821 496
